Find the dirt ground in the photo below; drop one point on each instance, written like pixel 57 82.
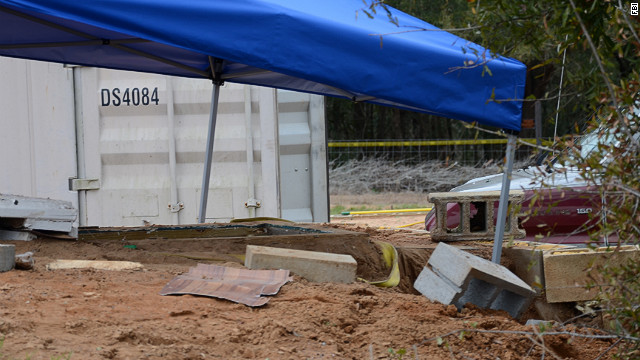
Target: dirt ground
pixel 95 314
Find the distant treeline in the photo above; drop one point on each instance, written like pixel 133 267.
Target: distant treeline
pixel 347 120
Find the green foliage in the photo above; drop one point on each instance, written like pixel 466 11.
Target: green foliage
pixel 347 120
pixel 603 49
pixel 397 354
pixel 601 92
pixel 623 301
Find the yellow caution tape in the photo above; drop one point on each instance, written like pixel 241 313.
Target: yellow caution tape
pixel 390 257
pixel 384 211
pixel 338 144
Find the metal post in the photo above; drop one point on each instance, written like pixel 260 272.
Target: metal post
pixel 174 205
pixel 213 113
pixel 80 148
pixel 504 200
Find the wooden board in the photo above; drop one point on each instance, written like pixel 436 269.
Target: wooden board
pixel 568 272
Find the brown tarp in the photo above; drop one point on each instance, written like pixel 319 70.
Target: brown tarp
pixel 238 285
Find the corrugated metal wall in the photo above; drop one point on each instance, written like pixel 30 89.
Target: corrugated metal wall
pixel 142 139
pixel 37 136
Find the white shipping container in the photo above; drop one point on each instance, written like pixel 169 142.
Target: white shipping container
pixel 37 131
pixel 141 140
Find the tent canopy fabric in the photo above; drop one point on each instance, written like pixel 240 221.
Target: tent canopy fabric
pixel 328 47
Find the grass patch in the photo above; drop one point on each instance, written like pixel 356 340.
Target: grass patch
pixel 406 206
pixel 339 209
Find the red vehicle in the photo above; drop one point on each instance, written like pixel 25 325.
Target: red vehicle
pixel 566 208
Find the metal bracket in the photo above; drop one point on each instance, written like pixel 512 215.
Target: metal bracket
pixel 76 184
pixel 174 208
pixel 254 203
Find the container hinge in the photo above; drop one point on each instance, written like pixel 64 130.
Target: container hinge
pixel 254 203
pixel 174 208
pixel 76 184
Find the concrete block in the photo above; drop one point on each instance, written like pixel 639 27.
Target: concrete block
pixel 312 265
pixel 483 221
pixel 438 288
pixel 474 280
pixel 7 257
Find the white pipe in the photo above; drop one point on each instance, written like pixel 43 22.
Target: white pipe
pixel 204 192
pixel 249 141
pixel 173 206
pixel 504 200
pixel 80 150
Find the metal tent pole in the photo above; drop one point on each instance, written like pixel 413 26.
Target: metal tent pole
pixel 504 200
pixel 204 190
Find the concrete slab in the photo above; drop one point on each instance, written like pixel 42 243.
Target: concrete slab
pixel 7 257
pixel 94 264
pixel 480 282
pixel 312 265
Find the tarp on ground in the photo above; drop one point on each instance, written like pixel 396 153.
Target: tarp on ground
pixel 328 47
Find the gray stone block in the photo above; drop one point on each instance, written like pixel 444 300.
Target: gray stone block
pixel 436 288
pixel 7 257
pixel 474 280
pixel 311 265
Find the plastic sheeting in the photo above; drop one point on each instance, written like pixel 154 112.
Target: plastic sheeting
pixel 328 47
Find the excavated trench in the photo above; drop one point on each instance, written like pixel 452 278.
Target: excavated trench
pixel 221 243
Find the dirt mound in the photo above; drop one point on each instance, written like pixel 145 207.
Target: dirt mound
pixel 96 314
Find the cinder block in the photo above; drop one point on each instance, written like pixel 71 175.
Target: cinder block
pixel 466 278
pixel 7 257
pixel 312 265
pixel 483 220
pixel 435 287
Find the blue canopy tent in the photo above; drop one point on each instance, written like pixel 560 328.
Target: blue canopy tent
pixel 325 47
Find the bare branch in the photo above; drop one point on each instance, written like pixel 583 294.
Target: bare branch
pixel 546 333
pixel 419 29
pixel 519 141
pixel 603 72
pixel 608 349
pixel 626 19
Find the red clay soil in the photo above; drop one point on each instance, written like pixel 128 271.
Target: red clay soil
pixel 95 314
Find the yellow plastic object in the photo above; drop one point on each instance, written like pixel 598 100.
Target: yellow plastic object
pixel 415 223
pixel 390 257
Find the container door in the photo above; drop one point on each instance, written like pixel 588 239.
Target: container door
pixel 37 131
pixel 303 162
pixel 144 142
